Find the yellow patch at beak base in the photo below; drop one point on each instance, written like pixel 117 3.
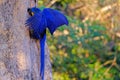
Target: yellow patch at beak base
pixel 32 13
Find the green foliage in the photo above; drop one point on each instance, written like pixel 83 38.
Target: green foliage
pixel 85 50
pixel 80 51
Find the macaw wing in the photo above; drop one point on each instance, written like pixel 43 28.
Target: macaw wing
pixel 37 25
pixel 54 19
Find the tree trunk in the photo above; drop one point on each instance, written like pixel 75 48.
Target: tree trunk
pixel 19 54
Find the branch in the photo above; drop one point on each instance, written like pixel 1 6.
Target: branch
pixel 113 64
pixel 51 3
pixel 108 7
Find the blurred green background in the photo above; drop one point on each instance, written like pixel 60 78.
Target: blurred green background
pixel 89 48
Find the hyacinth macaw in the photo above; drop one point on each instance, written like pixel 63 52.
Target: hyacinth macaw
pixel 38 22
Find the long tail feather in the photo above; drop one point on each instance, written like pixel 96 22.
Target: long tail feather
pixel 42 44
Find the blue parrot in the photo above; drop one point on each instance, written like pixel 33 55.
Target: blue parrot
pixel 38 22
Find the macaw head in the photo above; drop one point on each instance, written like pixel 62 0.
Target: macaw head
pixel 33 11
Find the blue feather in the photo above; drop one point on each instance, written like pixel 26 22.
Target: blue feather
pixel 42 44
pixel 38 23
pixel 54 19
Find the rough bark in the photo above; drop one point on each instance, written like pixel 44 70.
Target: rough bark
pixel 19 54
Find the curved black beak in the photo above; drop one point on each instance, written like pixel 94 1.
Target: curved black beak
pixel 29 11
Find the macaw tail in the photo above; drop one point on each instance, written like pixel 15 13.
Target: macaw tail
pixel 42 59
